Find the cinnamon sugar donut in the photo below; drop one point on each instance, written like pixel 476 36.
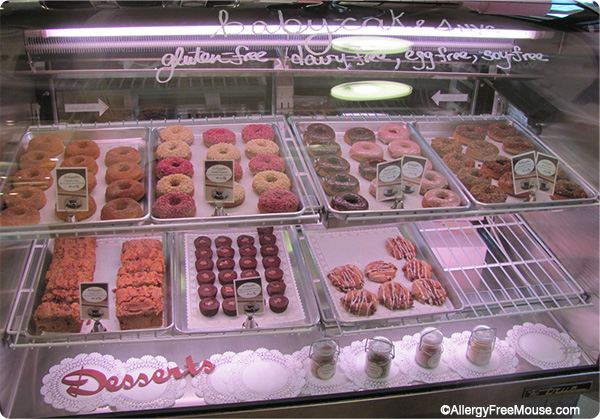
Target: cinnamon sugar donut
pixel 173 148
pixel 19 215
pixel 357 134
pixel 498 131
pixel 428 291
pixel 489 194
pixel 37 158
pixel 399 148
pixel 218 135
pixel 435 198
pixel 392 132
pixel 123 170
pixel 276 201
pixel 506 183
pixel 445 145
pixel 394 296
pixel 27 196
pixel 49 143
pixel 120 154
pixel 416 268
pixel 256 147
pixel 79 215
pixel 466 133
pixel 81 161
pixel 380 271
pixel 270 179
pixel 517 145
pixel 365 150
pixel 91 181
pixel 457 161
pixel 432 180
pixel 121 209
pixel 346 277
pixel 82 148
pixel 257 132
pixel 360 302
pixel 175 183
pixel 482 150
pixel 124 188
pixel 496 168
pixel 178 133
pixel 471 176
pixel 223 151
pixel 37 177
pixel 401 248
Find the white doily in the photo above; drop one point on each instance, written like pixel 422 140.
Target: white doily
pixel 503 361
pixel 218 386
pixel 405 356
pixel 543 346
pixel 267 374
pixel 147 394
pixel 55 392
pixel 339 383
pixel 352 361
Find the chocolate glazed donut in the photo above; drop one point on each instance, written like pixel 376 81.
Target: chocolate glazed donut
pixel 349 202
pixel 358 134
pixel 319 133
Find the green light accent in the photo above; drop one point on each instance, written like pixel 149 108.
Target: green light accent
pixel 370 90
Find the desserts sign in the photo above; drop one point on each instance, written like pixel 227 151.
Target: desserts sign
pixel 303 54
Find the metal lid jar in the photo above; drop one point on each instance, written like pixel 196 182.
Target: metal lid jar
pixel 380 352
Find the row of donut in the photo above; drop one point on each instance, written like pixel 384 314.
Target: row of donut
pixel 344 188
pixel 349 279
pixel 175 188
pixel 480 162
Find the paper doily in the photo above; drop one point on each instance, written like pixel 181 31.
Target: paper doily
pixel 55 392
pixel 543 346
pixel 405 356
pixel 503 361
pixel 217 387
pixel 339 383
pixel 150 396
pixel 267 374
pixel 352 360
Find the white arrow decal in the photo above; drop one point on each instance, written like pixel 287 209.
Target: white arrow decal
pixel 449 97
pixel 99 107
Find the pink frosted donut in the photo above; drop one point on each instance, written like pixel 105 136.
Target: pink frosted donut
pixel 263 162
pixel 399 148
pixel 365 150
pixel 432 180
pixel 218 135
pixel 177 132
pixel 174 165
pixel 174 205
pixel 238 172
pixel 278 200
pixel 440 198
pixel 393 132
pixel 257 132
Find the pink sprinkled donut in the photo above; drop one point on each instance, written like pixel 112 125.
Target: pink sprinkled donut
pixel 365 150
pixel 278 200
pixel 257 132
pixel 393 132
pixel 174 205
pixel 174 165
pixel 238 172
pixel 218 135
pixel 263 162
pixel 399 148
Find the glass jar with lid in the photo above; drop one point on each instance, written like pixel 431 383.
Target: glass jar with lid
pixel 429 351
pixel 481 345
pixel 323 358
pixel 380 353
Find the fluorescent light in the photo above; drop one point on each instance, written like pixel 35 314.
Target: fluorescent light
pixel 370 90
pixel 371 44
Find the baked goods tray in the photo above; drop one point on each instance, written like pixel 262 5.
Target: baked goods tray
pixel 302 311
pixel 106 139
pixel 359 246
pixel 445 126
pixel 21 324
pixel 378 210
pixel 247 212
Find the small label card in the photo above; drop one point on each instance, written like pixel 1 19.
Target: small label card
pixel 249 296
pixel 71 189
pixel 219 181
pixel 547 171
pixel 93 300
pixel 413 169
pixel 524 172
pixel 389 180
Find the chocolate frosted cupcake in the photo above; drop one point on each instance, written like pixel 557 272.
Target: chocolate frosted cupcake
pixel 278 303
pixel 209 307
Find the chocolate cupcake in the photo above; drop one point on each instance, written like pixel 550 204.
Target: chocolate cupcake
pixel 269 250
pixel 225 263
pixel 245 240
pixel 276 287
pixel 264 230
pixel 247 262
pixel 249 273
pixel 247 250
pixel 207 291
pixel 227 291
pixel 227 276
pixel 204 265
pixel 278 303
pixel 273 274
pixel 267 239
pixel 271 262
pixel 204 253
pixel 209 306
pixel 229 307
pixel 202 241
pixel 223 241
pixel 205 277
pixel 225 252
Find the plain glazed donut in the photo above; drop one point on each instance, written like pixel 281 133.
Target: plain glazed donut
pixel 457 161
pixel 276 201
pixel 48 142
pixel 496 168
pixel 173 149
pixel 393 132
pixel 368 168
pixel 123 170
pixel 506 183
pixel 565 189
pixel 121 208
pixel 349 202
pixel 331 164
pixel 173 165
pixel 498 131
pixel 175 183
pixel 218 135
pixel 432 180
pixel 38 177
pixel 81 161
pixel 365 150
pixel 326 149
pixel 262 162
pixel 257 132
pixel 37 159
pixel 270 179
pixel 360 302
pixel 517 145
pixel 79 215
pixel 471 176
pixel 465 133
pixel 339 183
pixel 357 134
pixel 223 151
pixel 482 150
pixel 19 215
pixel 82 148
pixel 435 198
pixel 27 196
pixel 174 205
pixel 445 145
pixel 319 133
pixel 399 148
pixel 124 188
pixel 120 154
pixel 178 133
pixel 489 194
pixel 256 147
